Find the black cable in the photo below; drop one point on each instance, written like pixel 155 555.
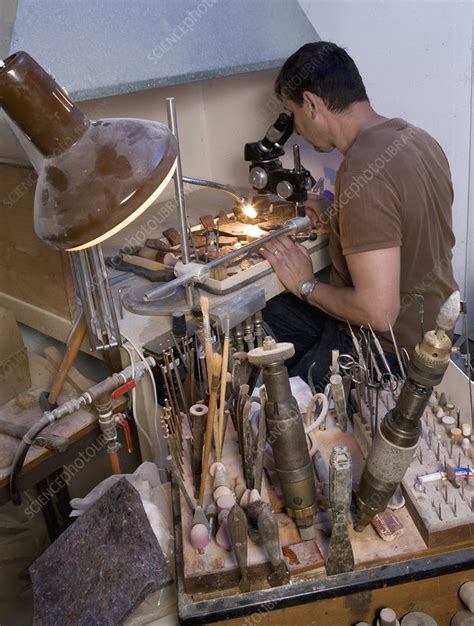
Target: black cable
pixel 25 445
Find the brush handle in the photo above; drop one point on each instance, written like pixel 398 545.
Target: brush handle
pixel 214 377
pixel 220 425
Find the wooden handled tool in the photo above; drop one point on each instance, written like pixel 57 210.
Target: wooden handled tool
pixel 207 334
pixel 261 443
pixel 18 431
pixel 199 414
pixel 262 518
pixel 268 528
pixel 225 363
pixel 238 529
pixel 77 335
pixel 214 375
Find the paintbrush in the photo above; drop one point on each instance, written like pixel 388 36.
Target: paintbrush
pixel 207 334
pixel 214 377
pixel 225 362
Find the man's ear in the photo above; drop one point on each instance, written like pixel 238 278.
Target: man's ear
pixel 312 103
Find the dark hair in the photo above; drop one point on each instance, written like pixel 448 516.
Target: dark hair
pixel 325 70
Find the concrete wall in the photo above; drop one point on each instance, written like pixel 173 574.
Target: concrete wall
pixel 416 60
pixel 215 117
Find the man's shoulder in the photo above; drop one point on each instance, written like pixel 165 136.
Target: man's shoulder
pixel 378 146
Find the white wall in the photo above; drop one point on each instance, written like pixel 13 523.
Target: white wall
pixel 470 229
pixel 416 60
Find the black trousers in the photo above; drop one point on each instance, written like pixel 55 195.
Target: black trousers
pixel 314 333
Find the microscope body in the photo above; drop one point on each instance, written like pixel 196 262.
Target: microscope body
pixel 266 172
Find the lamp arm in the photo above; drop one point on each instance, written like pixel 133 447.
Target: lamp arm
pixel 200 182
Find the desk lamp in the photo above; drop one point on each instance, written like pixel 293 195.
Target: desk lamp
pixel 94 176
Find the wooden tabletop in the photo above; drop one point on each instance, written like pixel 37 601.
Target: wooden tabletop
pixel 73 427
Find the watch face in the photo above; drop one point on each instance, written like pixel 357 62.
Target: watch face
pixel 307 288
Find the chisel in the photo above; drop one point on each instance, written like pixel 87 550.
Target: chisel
pixel 340 555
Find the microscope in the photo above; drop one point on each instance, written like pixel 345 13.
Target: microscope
pixel 266 173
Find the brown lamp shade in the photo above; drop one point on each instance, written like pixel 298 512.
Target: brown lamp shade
pixel 95 177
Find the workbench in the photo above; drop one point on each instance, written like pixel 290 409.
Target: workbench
pixel 428 582
pixel 81 429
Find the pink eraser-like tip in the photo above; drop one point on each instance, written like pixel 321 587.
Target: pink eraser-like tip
pixel 226 502
pixel 222 537
pixel 199 536
pixel 244 499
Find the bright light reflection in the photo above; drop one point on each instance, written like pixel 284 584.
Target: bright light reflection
pixel 254 231
pixel 249 211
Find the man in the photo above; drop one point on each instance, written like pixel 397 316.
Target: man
pixel 390 225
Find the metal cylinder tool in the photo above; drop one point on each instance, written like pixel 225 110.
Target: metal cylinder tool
pixel 285 431
pixel 395 443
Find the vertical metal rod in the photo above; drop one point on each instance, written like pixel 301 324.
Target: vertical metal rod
pixel 297 164
pixel 179 191
pixel 105 292
pixel 96 297
pixel 81 274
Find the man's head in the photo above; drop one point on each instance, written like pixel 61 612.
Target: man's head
pixel 317 83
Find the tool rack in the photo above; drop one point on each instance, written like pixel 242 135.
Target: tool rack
pixel 355 595
pixel 409 573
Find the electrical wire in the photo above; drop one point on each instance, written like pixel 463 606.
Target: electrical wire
pixel 162 455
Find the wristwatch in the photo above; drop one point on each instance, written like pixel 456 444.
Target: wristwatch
pixel 307 288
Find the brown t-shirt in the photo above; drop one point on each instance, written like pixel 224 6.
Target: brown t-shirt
pixel 394 189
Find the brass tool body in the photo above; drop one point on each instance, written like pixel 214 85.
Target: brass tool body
pixel 286 433
pixel 396 440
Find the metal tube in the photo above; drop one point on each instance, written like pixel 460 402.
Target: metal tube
pixel 395 443
pixel 106 299
pixel 296 224
pixel 200 182
pixel 179 191
pixel 292 461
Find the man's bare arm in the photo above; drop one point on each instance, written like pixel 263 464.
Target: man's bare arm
pixel 375 297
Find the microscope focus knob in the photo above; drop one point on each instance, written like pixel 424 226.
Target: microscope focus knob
pixel 258 178
pixel 284 189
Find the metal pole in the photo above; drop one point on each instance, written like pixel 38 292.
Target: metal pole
pixel 200 182
pixel 300 210
pixel 179 191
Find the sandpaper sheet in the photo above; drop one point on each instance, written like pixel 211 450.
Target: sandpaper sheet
pixel 102 566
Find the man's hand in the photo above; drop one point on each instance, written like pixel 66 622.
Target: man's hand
pixel 318 209
pixel 290 261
